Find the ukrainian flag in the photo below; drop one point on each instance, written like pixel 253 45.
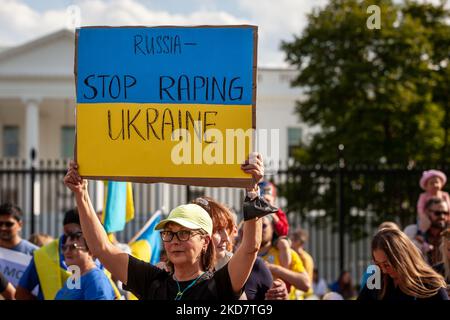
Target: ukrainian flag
pixel 146 244
pixel 118 208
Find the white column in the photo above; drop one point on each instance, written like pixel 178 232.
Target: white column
pixel 32 142
pixel 162 194
pixel 99 195
pixel 166 196
pixel 31 126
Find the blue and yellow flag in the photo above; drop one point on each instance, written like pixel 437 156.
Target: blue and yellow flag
pixel 146 244
pixel 118 207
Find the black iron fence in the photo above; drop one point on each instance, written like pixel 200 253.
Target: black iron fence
pixel 340 206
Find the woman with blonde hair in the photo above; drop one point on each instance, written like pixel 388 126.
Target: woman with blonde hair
pixel 404 273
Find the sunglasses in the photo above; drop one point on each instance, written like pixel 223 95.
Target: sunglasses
pixel 7 224
pixel 438 212
pixel 182 235
pixel 75 235
pixel 72 247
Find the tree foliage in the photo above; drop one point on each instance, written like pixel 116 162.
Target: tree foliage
pixel 382 93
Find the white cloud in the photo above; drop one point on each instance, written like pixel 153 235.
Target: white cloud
pixel 277 20
pixel 129 12
pixel 19 22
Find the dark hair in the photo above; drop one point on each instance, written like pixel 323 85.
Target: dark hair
pixel 432 202
pixel 76 236
pixel 346 289
pixel 8 209
pixel 208 257
pixel 71 216
pixel 275 234
pixel 342 274
pixel 300 235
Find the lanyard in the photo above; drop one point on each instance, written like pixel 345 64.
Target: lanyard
pixel 180 293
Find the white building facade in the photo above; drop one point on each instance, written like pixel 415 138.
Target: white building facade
pixel 37 111
pixel 37 101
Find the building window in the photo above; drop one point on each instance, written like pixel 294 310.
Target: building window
pixel 67 141
pixel 294 140
pixel 11 141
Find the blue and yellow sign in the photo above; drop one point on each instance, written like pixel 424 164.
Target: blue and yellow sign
pixel 169 104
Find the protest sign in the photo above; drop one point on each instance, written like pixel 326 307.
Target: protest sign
pixel 166 104
pixel 13 264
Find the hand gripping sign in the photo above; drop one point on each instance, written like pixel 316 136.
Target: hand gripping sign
pixel 166 104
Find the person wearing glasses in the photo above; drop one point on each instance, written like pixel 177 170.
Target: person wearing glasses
pixel 259 285
pixel 186 235
pixel 47 261
pixel 432 182
pixel 403 273
pixel 10 227
pixel 438 213
pixel 88 282
pixel 92 283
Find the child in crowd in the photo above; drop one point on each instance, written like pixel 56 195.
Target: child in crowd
pixel 281 225
pixel 40 239
pixel 432 182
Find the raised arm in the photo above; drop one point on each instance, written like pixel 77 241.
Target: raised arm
pixel 114 259
pixel 241 264
pixel 300 280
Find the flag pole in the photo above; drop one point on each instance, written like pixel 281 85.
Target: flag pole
pixel 148 223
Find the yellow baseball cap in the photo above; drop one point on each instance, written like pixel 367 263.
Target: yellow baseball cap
pixel 191 216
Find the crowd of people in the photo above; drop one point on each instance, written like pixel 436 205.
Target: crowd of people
pixel 209 255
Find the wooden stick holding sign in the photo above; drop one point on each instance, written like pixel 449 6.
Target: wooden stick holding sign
pixel 166 104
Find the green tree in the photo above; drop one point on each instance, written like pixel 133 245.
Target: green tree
pixel 382 93
pixel 373 90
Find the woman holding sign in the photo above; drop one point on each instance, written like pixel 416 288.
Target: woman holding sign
pixel 186 235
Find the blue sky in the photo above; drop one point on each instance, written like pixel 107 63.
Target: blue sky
pixel 23 20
